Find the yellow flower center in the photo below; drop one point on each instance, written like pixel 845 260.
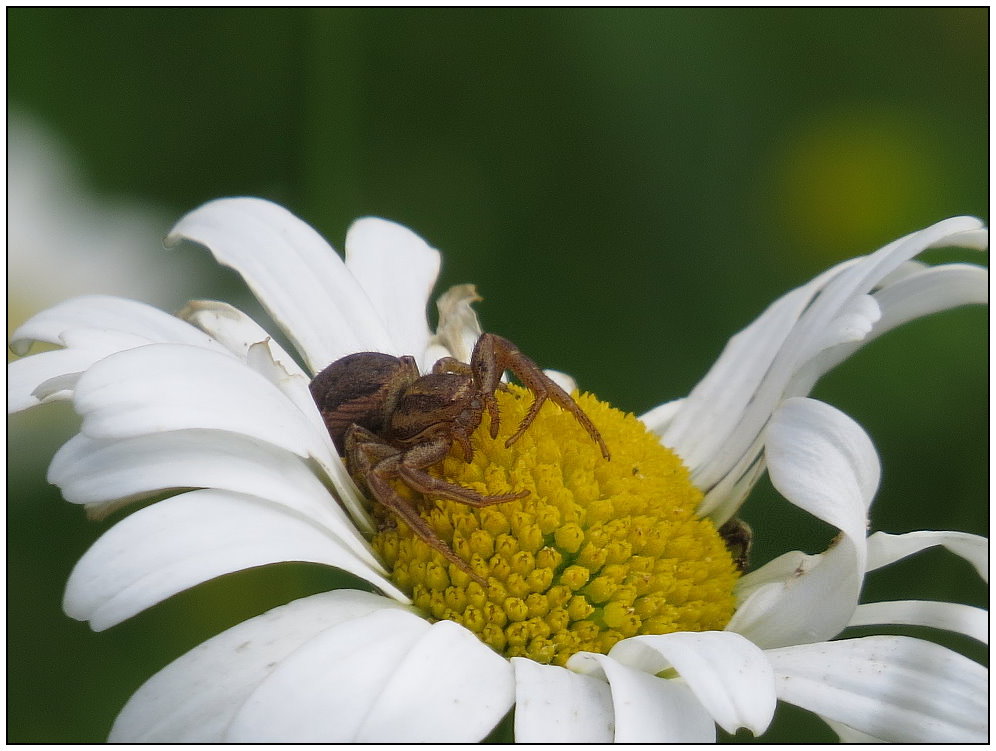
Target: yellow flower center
pixel 597 552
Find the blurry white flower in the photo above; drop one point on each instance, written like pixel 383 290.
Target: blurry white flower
pixel 64 240
pixel 210 401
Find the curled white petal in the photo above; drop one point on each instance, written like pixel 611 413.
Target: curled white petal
pixel 920 293
pixel 397 269
pixel 303 284
pixel 89 328
pixel 188 539
pixel 974 238
pixel 25 376
pixel 52 375
pixel 823 462
pixel 853 322
pixel 235 331
pixel 193 699
pixel 812 604
pixel 728 674
pixel 648 709
pixel 891 687
pixel 557 705
pixel 458 328
pixel 719 399
pixel 789 346
pixel 884 548
pixel 107 314
pixel 950 616
pixel 776 571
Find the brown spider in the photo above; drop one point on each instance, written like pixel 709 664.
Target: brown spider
pixel 390 422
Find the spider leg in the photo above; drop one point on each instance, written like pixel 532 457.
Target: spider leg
pixel 493 355
pixel 364 450
pixel 425 483
pixel 452 365
pixel 378 480
pixel 411 469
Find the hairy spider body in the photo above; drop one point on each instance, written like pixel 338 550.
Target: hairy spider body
pixel 390 422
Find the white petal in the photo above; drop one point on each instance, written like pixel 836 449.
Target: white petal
pixel 90 328
pixel 269 360
pixel 458 329
pixel 52 375
pixel 182 541
pixel 928 291
pixel 295 274
pixel 724 498
pixel 244 338
pixel 565 381
pixel 712 411
pixel 884 548
pixel 776 571
pixel 397 269
pixel 727 673
pixel 932 290
pixel 163 387
pixel 658 419
pixel 809 606
pixel 781 355
pixel 891 687
pixel 24 376
pixel 963 619
pixel 556 705
pixel 194 698
pixel 109 314
pixel 94 471
pixel 261 358
pixel 973 238
pixel 822 461
pixel 450 687
pixel 648 709
pixel 322 692
pixel 58 388
pixel 236 331
pixel 852 323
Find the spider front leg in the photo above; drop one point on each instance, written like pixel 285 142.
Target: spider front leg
pixel 414 462
pixel 364 450
pixel 493 355
pixel 379 483
pixel 378 463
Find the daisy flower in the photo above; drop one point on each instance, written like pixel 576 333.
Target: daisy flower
pixel 613 608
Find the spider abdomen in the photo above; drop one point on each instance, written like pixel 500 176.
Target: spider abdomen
pixel 361 389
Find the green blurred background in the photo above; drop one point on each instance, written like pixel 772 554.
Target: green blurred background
pixel 627 188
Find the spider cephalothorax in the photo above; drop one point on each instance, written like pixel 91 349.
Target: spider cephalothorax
pixel 390 422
